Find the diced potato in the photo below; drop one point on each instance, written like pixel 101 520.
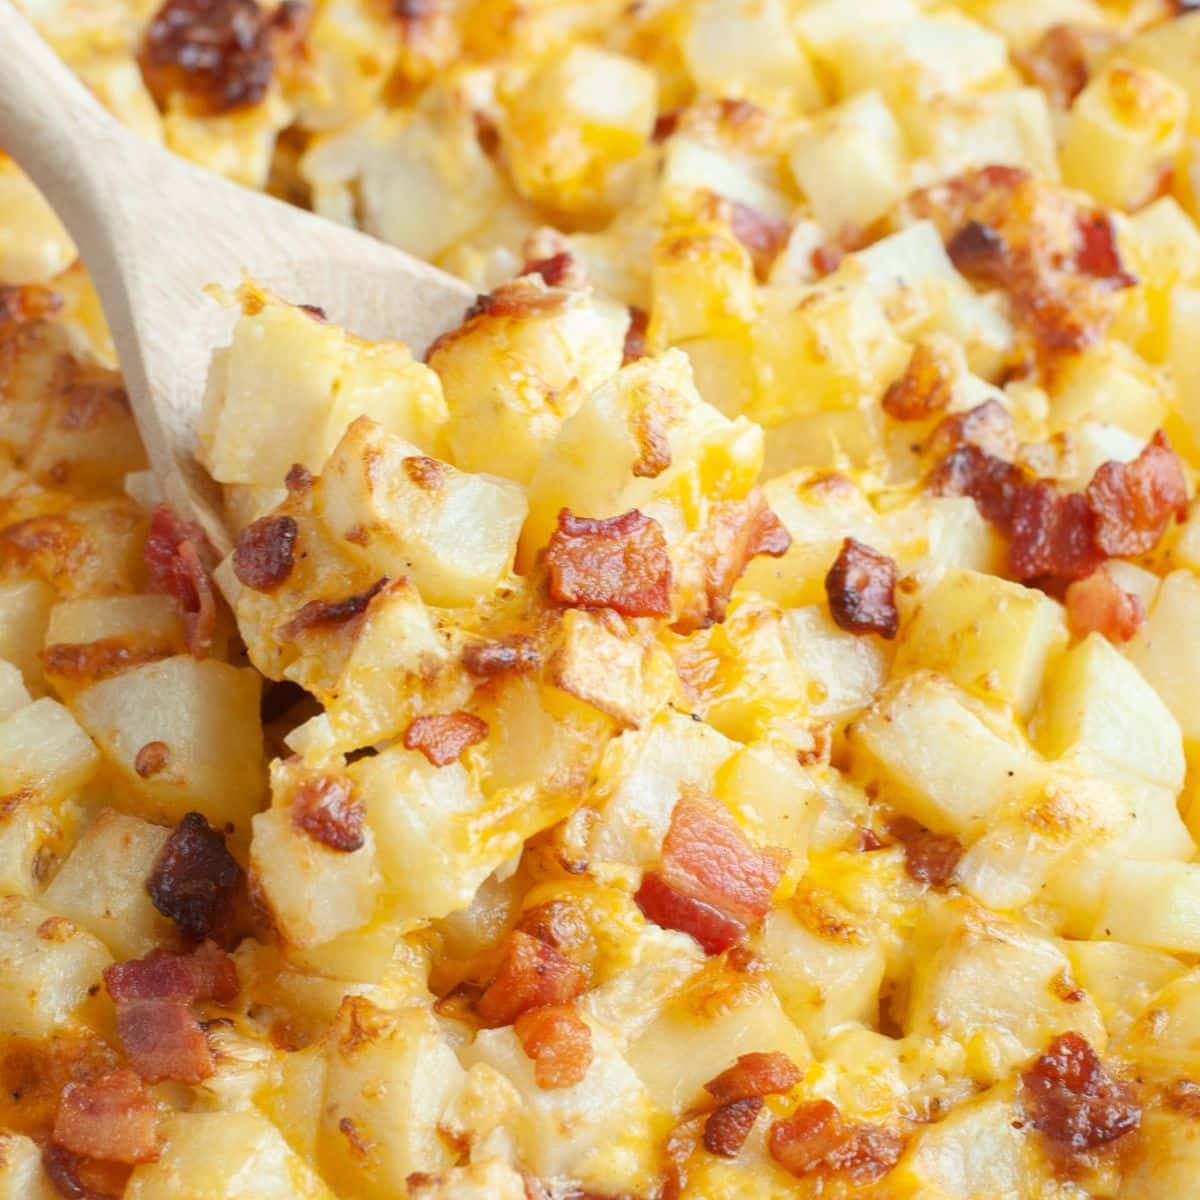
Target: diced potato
pixel 581 114
pixel 1165 1038
pixel 1166 651
pixel 990 636
pixel 940 762
pixel 225 1156
pixel 716 1017
pixel 937 532
pixel 13 693
pixel 1120 978
pixel 690 166
pixel 964 950
pixel 825 970
pixel 21 1174
pixel 34 246
pixel 749 46
pixel 604 1131
pixel 824 24
pixel 842 672
pixel 510 381
pixel 24 612
pixel 1097 707
pixel 44 755
pixel 383 1064
pixel 33 835
pixel 314 892
pixel 453 534
pixel 207 715
pixel 1153 904
pixel 1088 445
pixel 851 164
pixel 102 885
pixel 1126 127
pixel 435 844
pixel 154 617
pixel 49 967
pixel 1110 383
pixel 1168 1160
pixel 823 348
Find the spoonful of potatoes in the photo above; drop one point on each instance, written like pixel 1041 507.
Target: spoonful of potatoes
pixel 156 232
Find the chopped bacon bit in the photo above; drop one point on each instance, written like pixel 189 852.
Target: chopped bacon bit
pixel 826 258
pixel 980 253
pixel 532 975
pixel 317 313
pixel 1098 253
pixel 518 298
pixel 1074 1101
pixel 816 1143
pixel 738 531
pixel 558 270
pixel 215 53
pixel 67 1171
pixel 195 879
pixel 1134 502
pixel 175 554
pixel 516 654
pixel 208 973
pixel 635 335
pixel 760 1073
pixel 298 479
pixel 928 857
pixel 102 659
pixel 728 1127
pixel 861 587
pixel 761 235
pixel 661 903
pixel 443 737
pixel 1097 605
pixel 988 426
pixel 266 553
pixel 163 1040
pixel 925 388
pixel 990 481
pixel 152 759
pixel 1058 63
pixel 27 303
pixel 427 473
pixel 1052 534
pixel 1183 1096
pixel 317 614
pixel 559 1042
pixel 614 562
pixel 665 124
pixel 110 1118
pixel 327 810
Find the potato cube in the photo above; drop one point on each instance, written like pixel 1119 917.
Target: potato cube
pixel 990 636
pixel 851 163
pixel 34 246
pixel 225 1156
pixel 381 1065
pixel 1125 129
pixel 21 1174
pixel 452 534
pixel 154 617
pixel 32 835
pixel 13 693
pixel 963 950
pixel 1121 979
pixel 24 611
pixel 689 166
pixel 735 46
pixel 491 1179
pixel 942 763
pixel 1153 904
pixel 1110 383
pixel 1169 1158
pixel 102 885
pixel 207 715
pixel 48 965
pixel 43 753
pixel 1097 707
pixel 1166 651
pixel 824 24
pixel 1165 1038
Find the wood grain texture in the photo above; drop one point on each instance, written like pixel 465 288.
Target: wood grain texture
pixel 155 231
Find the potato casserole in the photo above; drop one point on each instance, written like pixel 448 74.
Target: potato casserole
pixel 722 722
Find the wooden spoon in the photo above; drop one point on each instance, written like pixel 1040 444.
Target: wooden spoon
pixel 154 231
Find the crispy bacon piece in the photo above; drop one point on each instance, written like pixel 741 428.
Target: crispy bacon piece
pixel 327 810
pixel 176 553
pixel 1097 605
pixel 195 880
pixel 160 1035
pixel 761 235
pixel 151 759
pixel 88 662
pixel 317 614
pixel 79 1178
pixel 518 298
pixel 532 975
pixel 1183 1096
pixel 928 857
pixel 559 1042
pixel 517 655
pixel 27 303
pixel 635 335
pixel 1098 254
pixel 613 562
pixel 925 388
pixel 110 1118
pixel 990 481
pixel 1057 63
pixel 757 1074
pixel 266 553
pixel 298 480
pixel 442 737
pixel 727 1128
pixel 215 53
pixel 816 1143
pixel 558 270
pixel 713 883
pixel 1134 502
pixel 861 587
pixel 980 253
pixel 1052 534
pixel 988 426
pixel 738 531
pixel 1074 1101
